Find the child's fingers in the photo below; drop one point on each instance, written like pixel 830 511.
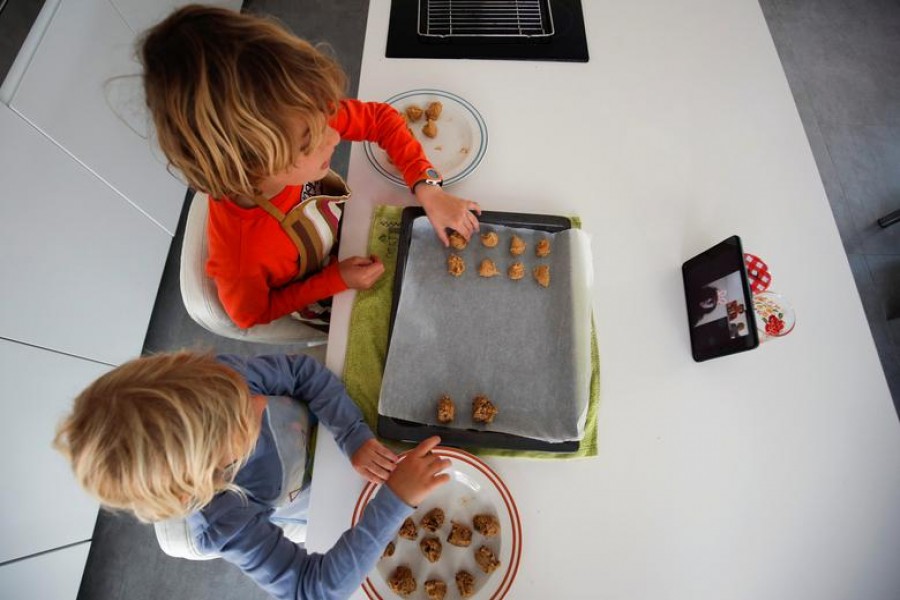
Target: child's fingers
pixel 381 473
pixel 426 446
pixel 385 452
pixel 437 482
pixel 473 206
pixel 385 463
pixel 473 220
pixel 438 464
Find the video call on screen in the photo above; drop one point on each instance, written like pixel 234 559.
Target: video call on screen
pixel 716 304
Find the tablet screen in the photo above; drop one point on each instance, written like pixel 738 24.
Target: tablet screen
pixel 719 303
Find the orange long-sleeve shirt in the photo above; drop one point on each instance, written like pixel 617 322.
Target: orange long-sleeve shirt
pixel 253 261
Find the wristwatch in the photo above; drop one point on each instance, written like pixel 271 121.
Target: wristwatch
pixel 432 177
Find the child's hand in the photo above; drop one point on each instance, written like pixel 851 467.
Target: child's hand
pixel 373 461
pixel 418 473
pixel 360 273
pixel 448 212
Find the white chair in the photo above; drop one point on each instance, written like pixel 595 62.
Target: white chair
pixel 201 300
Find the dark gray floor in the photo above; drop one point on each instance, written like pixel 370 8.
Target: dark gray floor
pixel 842 60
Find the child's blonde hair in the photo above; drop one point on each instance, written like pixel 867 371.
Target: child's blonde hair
pixel 155 436
pixel 227 92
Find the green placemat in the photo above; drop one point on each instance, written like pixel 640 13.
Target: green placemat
pixel 368 337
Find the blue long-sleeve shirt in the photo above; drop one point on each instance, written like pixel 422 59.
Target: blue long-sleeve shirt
pixel 240 530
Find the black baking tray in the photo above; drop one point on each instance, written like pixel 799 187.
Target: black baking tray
pixel 409 431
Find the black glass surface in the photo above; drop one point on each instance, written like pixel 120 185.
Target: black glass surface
pixel 568 42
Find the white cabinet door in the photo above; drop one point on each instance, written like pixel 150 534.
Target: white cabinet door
pixel 82 89
pixel 41 505
pixel 81 267
pixel 142 14
pixel 52 576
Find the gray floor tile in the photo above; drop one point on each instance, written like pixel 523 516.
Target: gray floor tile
pixel 849 52
pixel 867 161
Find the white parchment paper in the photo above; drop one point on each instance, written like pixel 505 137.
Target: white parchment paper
pixel 526 347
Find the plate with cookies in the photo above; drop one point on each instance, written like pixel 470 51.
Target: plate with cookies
pixel 452 133
pixel 464 541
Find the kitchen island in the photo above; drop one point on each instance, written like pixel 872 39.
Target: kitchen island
pixel 769 474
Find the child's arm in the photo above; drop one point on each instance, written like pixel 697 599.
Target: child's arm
pixel 381 123
pixel 307 380
pixel 249 300
pixel 241 532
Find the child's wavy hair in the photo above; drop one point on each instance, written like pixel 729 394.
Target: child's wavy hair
pixel 226 91
pixel 159 436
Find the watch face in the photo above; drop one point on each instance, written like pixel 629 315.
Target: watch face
pixel 432 174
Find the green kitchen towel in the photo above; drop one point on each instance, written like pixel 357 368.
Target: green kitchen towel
pixel 368 337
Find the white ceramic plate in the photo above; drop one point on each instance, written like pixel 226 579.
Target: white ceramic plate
pixel 473 489
pixel 456 150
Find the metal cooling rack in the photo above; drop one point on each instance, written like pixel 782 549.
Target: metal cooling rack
pixel 485 18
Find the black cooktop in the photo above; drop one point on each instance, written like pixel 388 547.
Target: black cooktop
pixel 567 42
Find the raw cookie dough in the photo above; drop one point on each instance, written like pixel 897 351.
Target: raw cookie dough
pixel 433 520
pixel 430 129
pixel 465 583
pixel 542 249
pixel 435 589
pixel 433 111
pixel 486 525
pixel 455 265
pixel 388 550
pixel 457 241
pixel 431 547
pixel 489 239
pixel 516 245
pixel 402 581
pixel 542 275
pixel 483 411
pixel 414 113
pixel 446 410
pixel 487 268
pixel 516 271
pixel 460 535
pixel 486 560
pixel 409 530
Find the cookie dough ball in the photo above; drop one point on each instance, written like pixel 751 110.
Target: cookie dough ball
pixel 414 113
pixel 388 550
pixel 465 583
pixel 483 410
pixel 402 581
pixel 516 271
pixel 486 560
pixel 433 520
pixel 446 410
pixel 455 265
pixel 516 246
pixel 542 275
pixel 433 112
pixel 435 589
pixel 460 535
pixel 409 530
pixel 542 249
pixel 487 268
pixel 431 547
pixel 457 241
pixel 490 239
pixel 430 129
pixel 486 525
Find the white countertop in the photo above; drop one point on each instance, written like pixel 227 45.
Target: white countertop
pixel 769 474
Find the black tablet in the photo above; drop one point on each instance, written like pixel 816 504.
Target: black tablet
pixel 719 302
